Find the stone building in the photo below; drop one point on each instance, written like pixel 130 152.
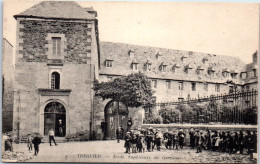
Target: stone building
pixel 7 86
pixel 175 75
pixel 56 61
pixel 58 55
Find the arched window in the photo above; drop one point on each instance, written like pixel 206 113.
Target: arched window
pixel 55 80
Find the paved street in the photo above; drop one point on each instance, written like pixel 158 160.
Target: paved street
pixel 111 151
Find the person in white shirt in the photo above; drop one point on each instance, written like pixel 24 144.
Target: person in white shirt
pixel 51 136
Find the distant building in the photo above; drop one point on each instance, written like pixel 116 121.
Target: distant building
pixel 58 55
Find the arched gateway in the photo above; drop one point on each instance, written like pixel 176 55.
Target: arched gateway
pixel 55 117
pixel 113 119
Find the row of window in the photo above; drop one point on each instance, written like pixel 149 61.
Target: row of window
pixel 163 68
pixel 181 87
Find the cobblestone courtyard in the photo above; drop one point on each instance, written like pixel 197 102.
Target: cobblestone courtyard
pixel 111 151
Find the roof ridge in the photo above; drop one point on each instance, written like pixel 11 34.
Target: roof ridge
pixel 201 53
pixel 57 9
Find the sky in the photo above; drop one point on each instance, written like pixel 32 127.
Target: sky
pixel 217 28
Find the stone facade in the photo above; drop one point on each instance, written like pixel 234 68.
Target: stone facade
pixel 7 86
pixel 192 70
pixel 36 61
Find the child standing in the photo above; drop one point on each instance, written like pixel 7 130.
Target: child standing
pixel 128 139
pixel 29 142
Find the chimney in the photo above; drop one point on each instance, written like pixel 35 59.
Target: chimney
pixel 255 58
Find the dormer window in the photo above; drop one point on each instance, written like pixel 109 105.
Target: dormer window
pixel 234 75
pixel 205 60
pixel 159 56
pixel 183 58
pixel 200 70
pixel 211 71
pixel 243 75
pixel 163 67
pixel 131 54
pixel 187 68
pixel 134 65
pixel 225 73
pixel 175 68
pixel 108 63
pixel 148 66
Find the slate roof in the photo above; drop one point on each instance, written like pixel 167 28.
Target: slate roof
pixel 57 9
pixel 122 63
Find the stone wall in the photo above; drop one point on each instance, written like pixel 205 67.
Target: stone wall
pixel 33 44
pixel 29 103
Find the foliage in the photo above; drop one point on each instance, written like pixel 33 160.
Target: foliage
pixel 133 90
pixel 153 118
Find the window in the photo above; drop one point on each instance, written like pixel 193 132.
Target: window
pixel 55 80
pixel 163 68
pixel 247 88
pixel 131 54
pixel 199 71
pixel 206 86
pixel 180 85
pixel 135 66
pixel 148 67
pixel 211 72
pixel 175 70
pixel 168 84
pixel 108 63
pixel 217 88
pixel 243 75
pixel 224 74
pixel 154 84
pixel 56 46
pixel 193 86
pixel 231 89
pixel 254 71
pixel 234 75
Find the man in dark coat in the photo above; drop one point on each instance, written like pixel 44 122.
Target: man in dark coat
pixel 181 136
pixel 199 141
pixel 36 142
pixel 208 140
pixel 192 138
pixel 103 127
pixel 129 124
pixel 8 143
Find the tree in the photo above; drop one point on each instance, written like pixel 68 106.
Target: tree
pixel 133 90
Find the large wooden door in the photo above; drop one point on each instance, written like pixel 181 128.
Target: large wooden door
pixel 115 118
pixel 53 113
pixel 49 122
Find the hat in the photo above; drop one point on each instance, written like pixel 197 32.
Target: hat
pixel 127 132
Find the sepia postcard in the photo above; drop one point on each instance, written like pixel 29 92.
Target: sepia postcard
pixel 129 82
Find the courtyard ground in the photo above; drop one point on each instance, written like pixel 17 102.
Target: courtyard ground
pixel 111 151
